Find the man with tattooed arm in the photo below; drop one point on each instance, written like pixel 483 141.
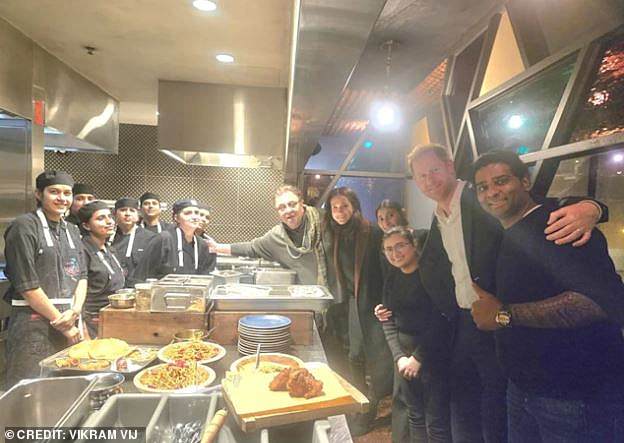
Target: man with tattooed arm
pixel 557 316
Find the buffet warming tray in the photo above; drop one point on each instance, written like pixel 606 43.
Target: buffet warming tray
pixel 179 293
pixel 240 297
pixel 132 365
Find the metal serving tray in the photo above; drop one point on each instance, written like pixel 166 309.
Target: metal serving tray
pixel 46 402
pixel 133 366
pixel 271 297
pixel 162 415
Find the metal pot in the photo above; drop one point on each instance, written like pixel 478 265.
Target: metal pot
pixel 106 386
pixel 121 301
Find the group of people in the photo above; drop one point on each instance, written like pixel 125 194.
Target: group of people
pixel 65 258
pixel 502 322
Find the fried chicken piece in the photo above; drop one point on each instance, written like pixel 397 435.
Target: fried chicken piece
pixel 315 388
pixel 298 383
pixel 303 384
pixel 280 381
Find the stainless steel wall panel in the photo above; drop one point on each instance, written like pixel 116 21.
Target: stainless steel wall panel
pixel 74 105
pixel 221 119
pixel 16 71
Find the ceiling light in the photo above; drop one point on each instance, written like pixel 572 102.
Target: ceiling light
pixel 386 116
pixel 618 158
pixel 225 58
pixel 317 176
pixel 515 121
pixel 205 5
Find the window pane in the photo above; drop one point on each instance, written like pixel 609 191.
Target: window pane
pixel 463 73
pixel 602 111
pixel 518 120
pixel 371 191
pixel 600 175
pixel 313 187
pixel 333 152
pixel 383 152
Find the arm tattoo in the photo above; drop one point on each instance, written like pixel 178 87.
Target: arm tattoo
pixel 566 310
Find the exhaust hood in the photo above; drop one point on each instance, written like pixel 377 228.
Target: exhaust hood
pixel 222 125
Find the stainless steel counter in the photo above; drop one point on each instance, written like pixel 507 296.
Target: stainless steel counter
pixel 339 431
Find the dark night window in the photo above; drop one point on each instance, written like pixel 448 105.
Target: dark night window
pixel 371 191
pixel 518 120
pixel 602 111
pixel 600 176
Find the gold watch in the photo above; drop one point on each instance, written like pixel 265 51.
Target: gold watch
pixel 503 317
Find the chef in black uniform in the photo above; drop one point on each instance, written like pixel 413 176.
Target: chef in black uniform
pixel 150 207
pixel 83 194
pixel 105 275
pixel 130 240
pixel 45 266
pixel 177 250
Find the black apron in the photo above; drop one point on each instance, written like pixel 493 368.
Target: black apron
pixel 31 338
pixel 108 276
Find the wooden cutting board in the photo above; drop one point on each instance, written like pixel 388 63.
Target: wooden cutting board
pixel 255 406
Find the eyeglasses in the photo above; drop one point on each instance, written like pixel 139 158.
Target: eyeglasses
pixel 399 247
pixel 286 206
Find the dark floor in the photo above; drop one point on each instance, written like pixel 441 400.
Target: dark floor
pixel 381 432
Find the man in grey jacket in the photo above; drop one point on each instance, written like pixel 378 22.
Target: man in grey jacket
pixel 294 243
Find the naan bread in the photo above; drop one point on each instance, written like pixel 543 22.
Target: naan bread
pixel 104 348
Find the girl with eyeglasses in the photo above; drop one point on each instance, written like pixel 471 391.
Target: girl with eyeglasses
pixel 417 335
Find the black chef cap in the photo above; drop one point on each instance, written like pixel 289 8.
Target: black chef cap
pixel 127 202
pixel 149 196
pixel 83 188
pixel 86 212
pixel 181 204
pixel 49 178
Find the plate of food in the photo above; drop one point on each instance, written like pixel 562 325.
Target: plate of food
pixel 182 376
pixel 199 351
pixel 269 363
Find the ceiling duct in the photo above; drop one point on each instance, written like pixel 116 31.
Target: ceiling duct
pixel 330 40
pixel 222 125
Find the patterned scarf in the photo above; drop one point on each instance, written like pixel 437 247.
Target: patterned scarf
pixel 311 242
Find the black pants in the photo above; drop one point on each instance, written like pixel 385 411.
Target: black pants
pixel 92 321
pixel 478 386
pixel 400 424
pixel 426 397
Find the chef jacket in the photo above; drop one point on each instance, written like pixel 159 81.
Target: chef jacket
pixel 163 226
pixel 105 275
pixel 32 263
pixel 162 257
pixel 120 245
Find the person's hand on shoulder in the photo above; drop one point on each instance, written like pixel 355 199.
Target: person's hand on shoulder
pixel 573 223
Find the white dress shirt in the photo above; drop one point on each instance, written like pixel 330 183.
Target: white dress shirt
pixel 453 240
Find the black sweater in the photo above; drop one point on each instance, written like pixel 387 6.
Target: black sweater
pixel 414 315
pixel 564 363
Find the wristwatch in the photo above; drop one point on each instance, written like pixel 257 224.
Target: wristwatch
pixel 503 317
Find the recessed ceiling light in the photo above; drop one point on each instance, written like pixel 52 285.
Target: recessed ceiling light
pixel 225 58
pixel 205 5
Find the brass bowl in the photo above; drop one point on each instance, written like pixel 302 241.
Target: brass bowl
pixel 190 335
pixel 121 301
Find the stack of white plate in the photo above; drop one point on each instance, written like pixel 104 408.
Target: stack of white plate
pixel 271 332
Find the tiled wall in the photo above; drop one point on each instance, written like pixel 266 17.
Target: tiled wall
pixel 241 199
